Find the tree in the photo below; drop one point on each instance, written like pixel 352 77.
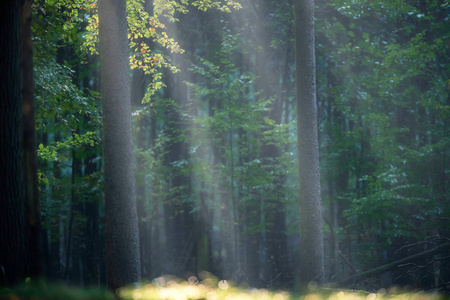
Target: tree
pixel 32 212
pixel 12 188
pixel 122 238
pixel 312 249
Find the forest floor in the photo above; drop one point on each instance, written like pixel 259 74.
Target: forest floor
pixel 208 289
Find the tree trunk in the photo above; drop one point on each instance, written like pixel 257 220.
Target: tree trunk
pixel 32 213
pixel 12 188
pixel 311 252
pixel 122 238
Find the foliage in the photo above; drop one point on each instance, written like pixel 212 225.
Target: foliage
pixel 144 27
pixel 381 83
pixel 60 99
pixel 74 142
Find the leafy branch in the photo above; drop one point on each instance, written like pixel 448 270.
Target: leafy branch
pixel 53 152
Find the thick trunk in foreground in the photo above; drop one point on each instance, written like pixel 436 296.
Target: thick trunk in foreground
pixel 12 188
pixel 311 252
pixel 122 238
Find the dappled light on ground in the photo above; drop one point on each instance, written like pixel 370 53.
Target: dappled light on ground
pixel 170 288
pixel 207 289
pixel 210 288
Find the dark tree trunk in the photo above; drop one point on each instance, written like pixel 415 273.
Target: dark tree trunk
pixel 90 255
pixel 53 262
pixel 34 257
pixel 73 236
pixel 12 187
pixel 311 252
pixel 122 238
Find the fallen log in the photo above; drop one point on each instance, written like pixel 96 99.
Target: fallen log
pixel 383 268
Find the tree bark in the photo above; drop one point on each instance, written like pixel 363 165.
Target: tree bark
pixel 12 188
pixel 32 212
pixel 122 238
pixel 312 248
